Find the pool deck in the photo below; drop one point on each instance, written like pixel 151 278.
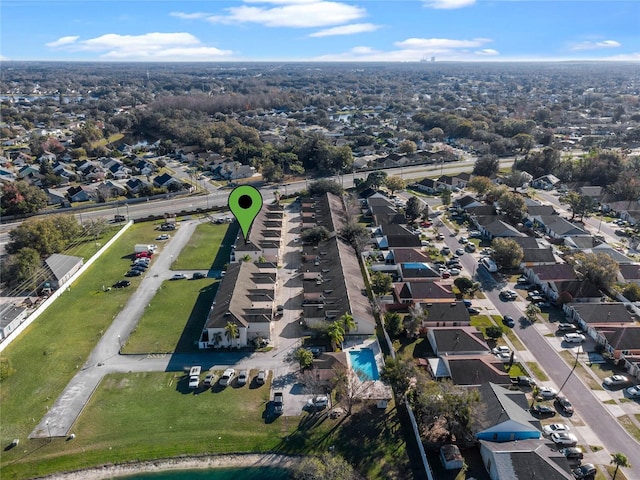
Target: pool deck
pixel 374 389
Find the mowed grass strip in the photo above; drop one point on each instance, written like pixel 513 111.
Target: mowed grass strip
pixel 143 416
pixel 174 318
pixel 49 353
pixel 208 248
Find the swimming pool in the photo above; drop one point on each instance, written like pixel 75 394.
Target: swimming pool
pixel 363 362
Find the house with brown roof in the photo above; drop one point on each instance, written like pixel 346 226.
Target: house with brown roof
pixel 623 343
pixel 409 293
pixel 468 370
pixel 629 273
pixel 328 365
pixel 524 460
pixel 541 275
pixel 245 298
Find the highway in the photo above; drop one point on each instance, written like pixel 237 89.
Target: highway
pixel 218 197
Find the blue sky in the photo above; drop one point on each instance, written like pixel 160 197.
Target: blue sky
pixel 319 30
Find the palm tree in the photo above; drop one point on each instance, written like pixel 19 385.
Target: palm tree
pixel 619 460
pixel 231 331
pixel 336 334
pixel 532 312
pixel 348 323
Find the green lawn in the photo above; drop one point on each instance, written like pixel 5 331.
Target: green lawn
pixel 535 369
pixel 174 319
pixel 143 416
pixel 209 247
pixel 47 355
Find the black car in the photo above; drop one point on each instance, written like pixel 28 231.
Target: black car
pixel 473 310
pixel 564 405
pixel 542 411
pixel 585 471
pixel 140 267
pixel 122 284
pixel 508 321
pixel 133 273
pixel 198 275
pixel 573 453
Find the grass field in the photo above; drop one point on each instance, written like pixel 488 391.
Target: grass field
pixel 174 318
pixel 47 355
pixel 142 416
pixel 209 247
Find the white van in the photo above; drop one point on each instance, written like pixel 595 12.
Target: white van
pixel 194 376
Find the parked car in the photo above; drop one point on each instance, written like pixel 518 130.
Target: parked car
pixel 555 428
pixel 573 453
pixel 199 275
pixel 209 380
pixel 470 247
pixel 547 393
pixel 633 392
pixel 564 438
pixel 508 321
pixel 194 376
pixel 542 411
pixel 142 261
pixel 178 276
pixel 227 376
pixel 133 273
pixel 164 236
pixel 508 295
pixel 501 349
pixel 574 338
pixel 616 381
pixel 445 251
pixel 141 267
pixel 242 378
pixel 564 405
pixel 460 251
pixel 474 234
pixel 522 279
pixel 454 271
pixel 566 327
pixel 505 357
pixel 122 284
pixel 278 402
pixel 318 402
pixel 261 377
pixel 585 470
pixel 473 310
pixel 439 236
pixel 522 381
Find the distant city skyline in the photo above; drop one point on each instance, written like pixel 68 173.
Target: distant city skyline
pixel 320 30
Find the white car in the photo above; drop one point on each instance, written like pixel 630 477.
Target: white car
pixel 320 401
pixel 574 338
pixel 179 276
pixel 505 357
pixel 164 236
pixel 547 393
pixel 564 438
pixel 227 376
pixel 555 428
pixel 616 380
pixel 501 349
pixel 633 392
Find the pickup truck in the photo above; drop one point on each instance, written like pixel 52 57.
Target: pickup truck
pixel 278 403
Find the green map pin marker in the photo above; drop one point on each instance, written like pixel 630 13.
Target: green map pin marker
pixel 245 203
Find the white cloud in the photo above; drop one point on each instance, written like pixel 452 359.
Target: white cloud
pixel 346 30
pixel 440 43
pixel 487 52
pixel 190 16
pixel 595 45
pixel 415 49
pixel 150 46
pixel 62 41
pixel 296 14
pixel 448 4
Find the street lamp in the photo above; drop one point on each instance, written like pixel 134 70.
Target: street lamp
pixel 119 343
pixel 48 430
pixel 127 206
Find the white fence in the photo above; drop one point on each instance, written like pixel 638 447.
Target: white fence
pixel 54 296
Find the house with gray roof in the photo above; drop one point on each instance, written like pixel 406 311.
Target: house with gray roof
pixel 457 341
pixel 502 415
pixel 591 316
pixel 61 268
pixel 524 460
